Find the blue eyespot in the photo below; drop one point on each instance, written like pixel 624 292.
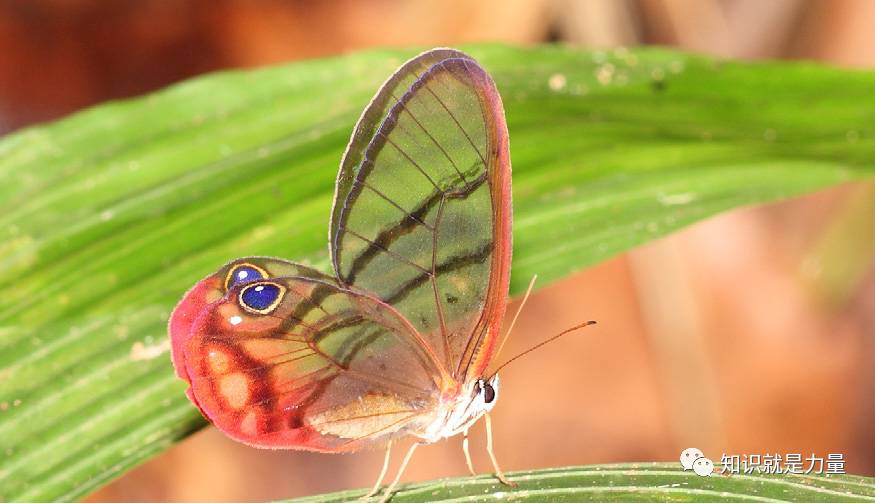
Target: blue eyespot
pixel 261 297
pixel 243 273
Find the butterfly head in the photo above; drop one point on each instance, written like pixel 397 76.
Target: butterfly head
pixel 485 394
pixel 465 410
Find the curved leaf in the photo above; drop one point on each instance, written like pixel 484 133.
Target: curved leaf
pixel 629 482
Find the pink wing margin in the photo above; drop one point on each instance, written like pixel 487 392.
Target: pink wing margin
pixel 499 173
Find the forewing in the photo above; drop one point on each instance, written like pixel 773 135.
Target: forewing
pixel 422 211
pixel 319 367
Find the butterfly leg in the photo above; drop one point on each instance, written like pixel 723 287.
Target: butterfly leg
pixel 376 487
pixel 391 488
pixel 498 473
pixel 467 452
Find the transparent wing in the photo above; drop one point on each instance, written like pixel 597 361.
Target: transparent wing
pixel 422 210
pixel 298 362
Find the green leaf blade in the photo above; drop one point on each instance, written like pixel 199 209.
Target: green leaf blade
pixel 629 482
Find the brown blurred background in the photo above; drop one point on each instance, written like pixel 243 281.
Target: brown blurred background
pixel 750 333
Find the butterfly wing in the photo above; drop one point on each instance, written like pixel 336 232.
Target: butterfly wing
pixel 300 362
pixel 422 212
pixel 212 288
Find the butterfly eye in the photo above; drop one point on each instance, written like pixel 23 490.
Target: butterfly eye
pixel 261 298
pixel 488 393
pixel 243 273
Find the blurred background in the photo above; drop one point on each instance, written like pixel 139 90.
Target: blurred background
pixel 750 333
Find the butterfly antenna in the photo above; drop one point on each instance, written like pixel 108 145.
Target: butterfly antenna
pixel 517 315
pixel 536 346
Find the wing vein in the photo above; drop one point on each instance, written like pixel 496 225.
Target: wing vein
pixel 427 133
pixel 413 413
pixel 266 365
pixel 396 205
pixel 452 116
pixel 410 159
pixel 437 299
pixel 388 252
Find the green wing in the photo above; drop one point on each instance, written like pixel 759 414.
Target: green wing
pixel 421 217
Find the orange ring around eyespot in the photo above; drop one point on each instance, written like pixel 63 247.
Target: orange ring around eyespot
pixel 269 309
pixel 264 274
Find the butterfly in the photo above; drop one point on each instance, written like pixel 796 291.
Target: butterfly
pixel 397 339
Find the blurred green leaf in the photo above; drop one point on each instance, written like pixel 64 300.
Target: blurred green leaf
pixel 626 483
pixel 835 266
pixel 107 217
